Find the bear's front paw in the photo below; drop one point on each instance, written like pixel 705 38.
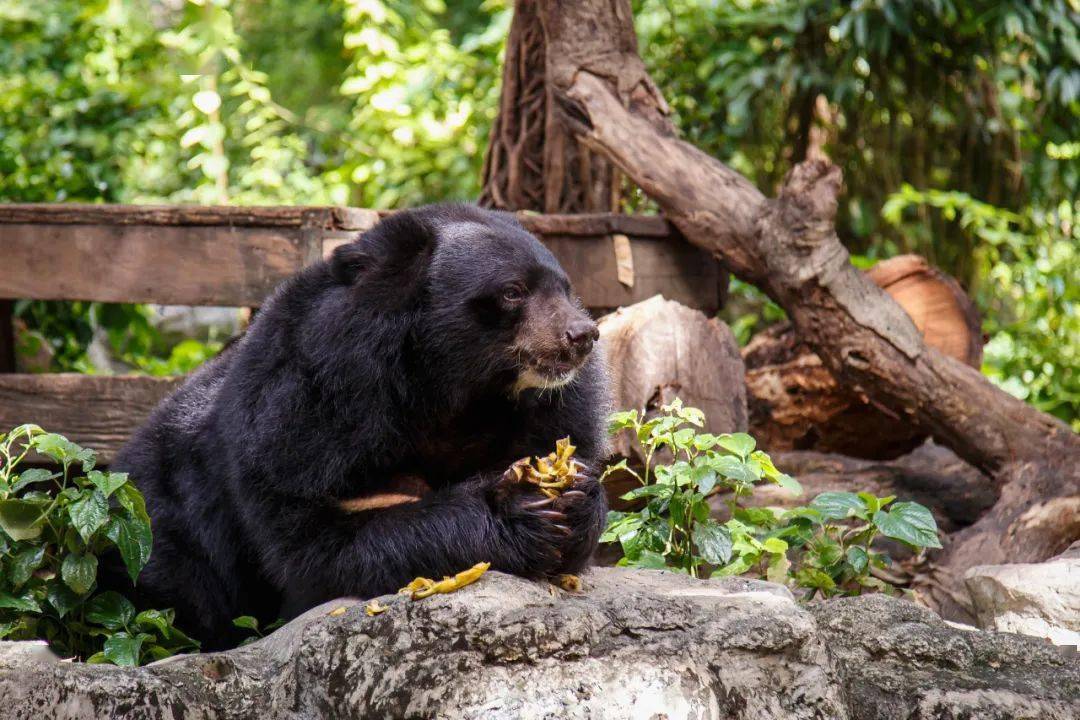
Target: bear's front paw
pixel 584 505
pixel 533 527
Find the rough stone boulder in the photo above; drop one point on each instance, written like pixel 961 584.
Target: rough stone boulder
pixel 1038 599
pixel 634 644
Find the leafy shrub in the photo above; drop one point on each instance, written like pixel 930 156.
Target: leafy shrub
pixel 825 547
pixel 55 525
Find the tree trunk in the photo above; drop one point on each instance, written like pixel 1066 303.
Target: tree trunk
pixel 532 161
pixel 796 404
pixel 788 247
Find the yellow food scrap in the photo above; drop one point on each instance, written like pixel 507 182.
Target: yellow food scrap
pixel 422 587
pixel 338 611
pixel 552 474
pixel 373 608
pixel 569 583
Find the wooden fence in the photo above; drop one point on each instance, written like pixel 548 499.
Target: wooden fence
pixel 234 256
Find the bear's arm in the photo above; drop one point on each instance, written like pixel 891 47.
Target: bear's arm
pixel 315 551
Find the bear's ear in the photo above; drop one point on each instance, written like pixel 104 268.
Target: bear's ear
pixel 347 262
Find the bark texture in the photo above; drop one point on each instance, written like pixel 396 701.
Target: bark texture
pixel 634 644
pixel 533 162
pixel 788 247
pixel 795 402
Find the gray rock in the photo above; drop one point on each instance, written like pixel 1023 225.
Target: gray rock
pixel 899 660
pixel 1037 599
pixel 635 644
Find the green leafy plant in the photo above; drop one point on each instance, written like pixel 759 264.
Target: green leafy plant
pixel 248 622
pixel 55 525
pixel 826 547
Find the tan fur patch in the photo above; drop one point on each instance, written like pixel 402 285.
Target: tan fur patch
pixel 404 489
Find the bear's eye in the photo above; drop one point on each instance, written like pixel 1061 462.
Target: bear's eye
pixel 513 293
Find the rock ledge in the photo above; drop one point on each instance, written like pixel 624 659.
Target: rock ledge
pixel 635 644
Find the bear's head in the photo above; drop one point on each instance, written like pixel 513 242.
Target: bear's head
pixel 482 298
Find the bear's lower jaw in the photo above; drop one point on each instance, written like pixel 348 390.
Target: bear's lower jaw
pixel 530 379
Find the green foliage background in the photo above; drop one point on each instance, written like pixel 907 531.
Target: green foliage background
pixel 957 125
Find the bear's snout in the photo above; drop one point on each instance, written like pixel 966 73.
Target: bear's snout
pixel 580 336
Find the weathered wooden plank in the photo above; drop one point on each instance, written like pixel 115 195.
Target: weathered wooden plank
pixel 234 265
pixel 181 265
pixel 642 226
pixel 328 217
pixel 676 270
pixel 227 215
pixel 95 411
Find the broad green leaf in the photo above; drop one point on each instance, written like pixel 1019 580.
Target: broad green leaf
pixel 758 516
pixel 735 469
pixel 705 441
pixel 739 443
pixel 858 559
pixel 705 478
pixel 89 513
pixel 31 477
pixel 677 508
pixel 813 578
pixel 621 420
pixel 825 552
pixel 133 501
pixel 908 522
pixel 64 451
pixel 149 620
pixel 713 542
pixel 839 505
pixel 651 560
pixel 803 513
pixel 788 483
pixel 21 519
pixel 123 649
pixel 736 567
pixel 62 599
pixel 107 482
pixel 134 541
pixel 683 438
pixel 20 603
pixel 700 508
pixel 79 572
pixel 247 622
pixel 693 415
pixel 774 545
pixel 110 609
pixel 778 568
pixel 23 565
pixel 646 491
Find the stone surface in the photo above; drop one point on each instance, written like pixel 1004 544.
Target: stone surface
pixel 1038 599
pixel 635 644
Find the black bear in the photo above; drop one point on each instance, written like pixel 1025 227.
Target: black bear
pixel 433 353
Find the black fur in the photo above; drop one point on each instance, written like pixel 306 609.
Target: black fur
pixel 390 359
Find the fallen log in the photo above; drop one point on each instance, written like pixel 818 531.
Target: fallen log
pixel 795 402
pixel 788 247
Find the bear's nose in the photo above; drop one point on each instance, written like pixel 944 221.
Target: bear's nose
pixel 581 334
